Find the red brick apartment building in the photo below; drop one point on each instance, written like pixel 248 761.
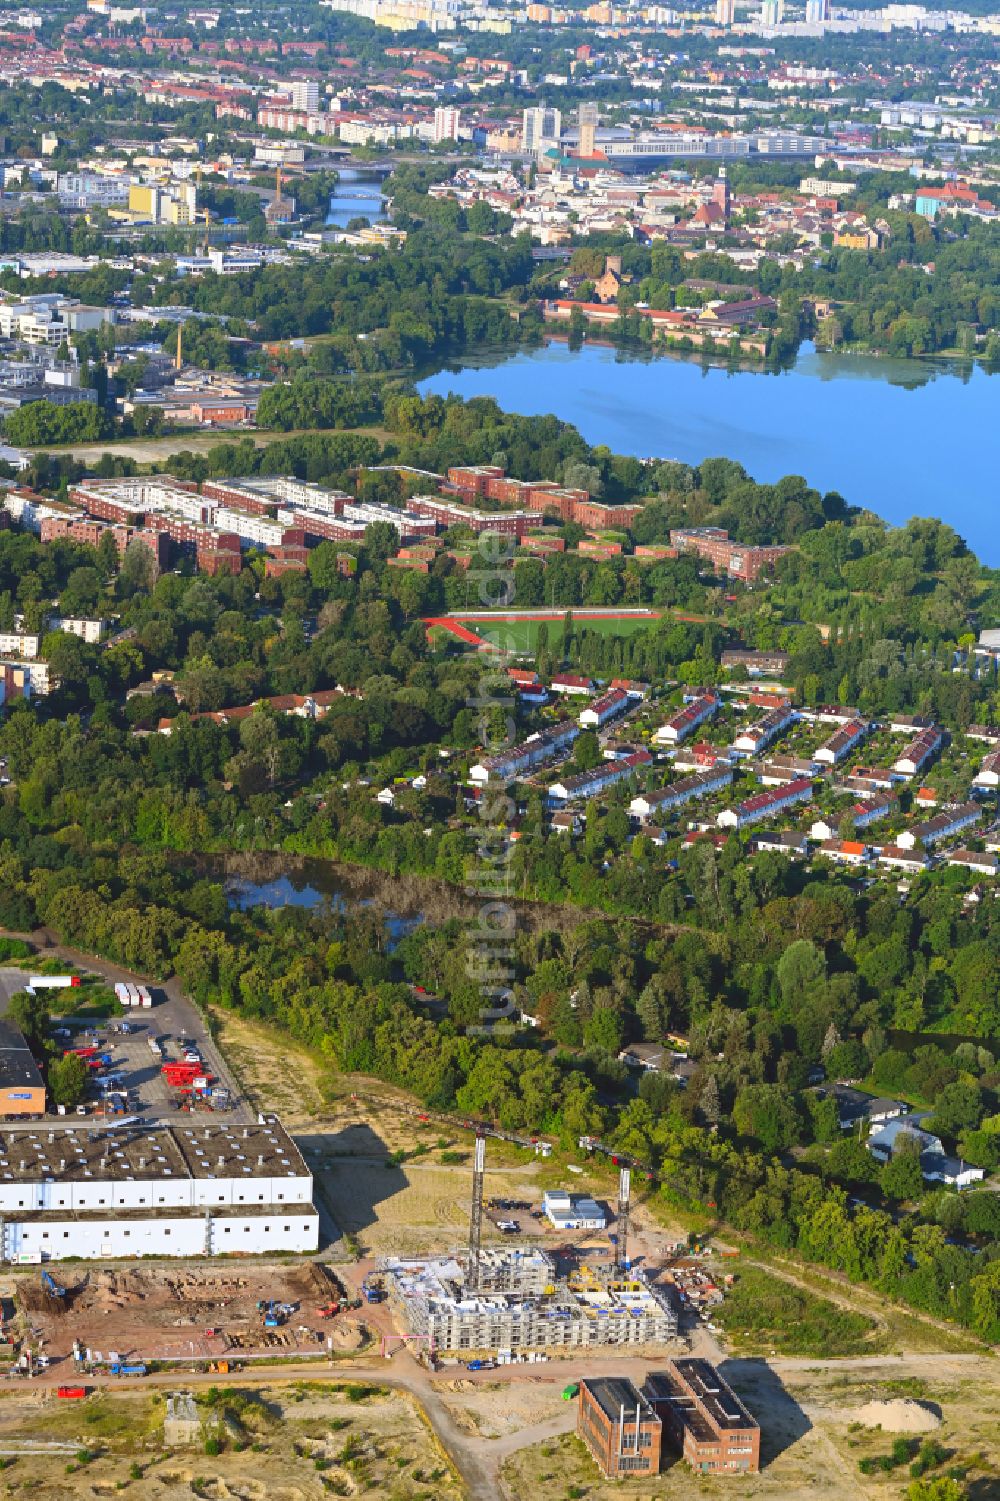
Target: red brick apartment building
pixel 488 481
pixel 703 1419
pixel 446 513
pixel 714 545
pixel 79 529
pixel 619 1427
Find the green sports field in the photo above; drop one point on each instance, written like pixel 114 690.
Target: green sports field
pixel 522 635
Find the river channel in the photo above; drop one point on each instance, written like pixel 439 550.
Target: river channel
pixel 900 437
pixel 358 195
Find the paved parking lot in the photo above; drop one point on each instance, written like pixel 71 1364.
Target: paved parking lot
pixel 174 1023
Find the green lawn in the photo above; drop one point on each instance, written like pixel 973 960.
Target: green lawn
pixel 522 635
pixel 762 1312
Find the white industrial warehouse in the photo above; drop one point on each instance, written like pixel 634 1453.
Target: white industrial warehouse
pixel 139 1190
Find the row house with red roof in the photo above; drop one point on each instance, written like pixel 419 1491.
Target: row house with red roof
pixel 686 720
pixel 759 736
pixel 588 784
pixel 665 799
pixel 603 710
pixel 766 804
pixel 919 751
pixel 845 738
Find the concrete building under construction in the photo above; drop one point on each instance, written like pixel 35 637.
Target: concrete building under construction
pixel 519 1304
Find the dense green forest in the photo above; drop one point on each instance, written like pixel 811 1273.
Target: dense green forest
pixel 769 968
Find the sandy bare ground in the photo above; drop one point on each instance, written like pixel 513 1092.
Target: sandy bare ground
pixel 811 1446
pixel 155 450
pixel 810 1449
pixel 286 1443
pixel 181 1311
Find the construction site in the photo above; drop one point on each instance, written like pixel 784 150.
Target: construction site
pixel 181 1312
pixel 506 1300
pixel 514 1309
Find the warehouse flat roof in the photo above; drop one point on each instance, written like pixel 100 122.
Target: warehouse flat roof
pixel 612 1393
pixel 139 1152
pixel 18 1070
pixel 715 1394
pixel 158 1212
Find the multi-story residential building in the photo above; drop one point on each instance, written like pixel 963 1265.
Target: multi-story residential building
pixel 23 679
pixel 713 544
pixel 253 531
pixel 541 126
pixel 82 529
pixel 403 15
pixel 91 631
pixel 174 204
pixel 489 482
pixel 305 93
pixel 447 122
pixel 446 514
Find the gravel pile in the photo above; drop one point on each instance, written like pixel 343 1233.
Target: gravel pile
pixel 898 1415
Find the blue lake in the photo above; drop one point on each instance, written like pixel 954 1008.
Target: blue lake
pixel 900 437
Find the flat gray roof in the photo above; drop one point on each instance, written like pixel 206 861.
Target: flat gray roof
pixel 138 1152
pixel 18 1069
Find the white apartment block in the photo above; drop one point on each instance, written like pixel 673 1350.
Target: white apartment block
pixel 49 319
pixel 447 122
pixel 91 631
pixel 18 644
pixel 253 531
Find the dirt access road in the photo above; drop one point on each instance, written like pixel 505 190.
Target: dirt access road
pixel 479 1459
pixel 156 450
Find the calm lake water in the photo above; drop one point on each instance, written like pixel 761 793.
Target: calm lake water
pixel 901 437
pixel 309 884
pixel 358 193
